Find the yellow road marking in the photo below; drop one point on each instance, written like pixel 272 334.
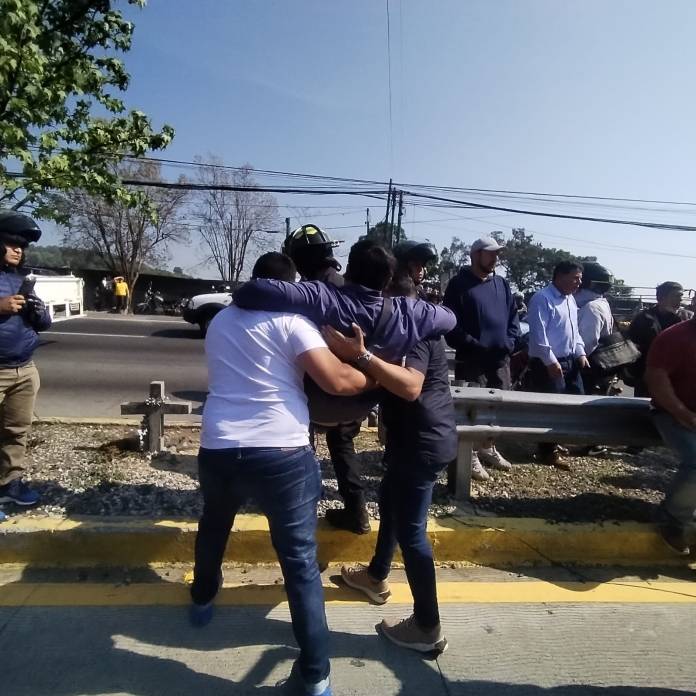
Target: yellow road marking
pixel 522 592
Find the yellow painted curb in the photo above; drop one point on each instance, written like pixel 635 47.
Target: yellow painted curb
pixel 502 542
pixel 523 592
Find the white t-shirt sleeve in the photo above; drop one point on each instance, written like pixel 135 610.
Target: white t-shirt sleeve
pixel 303 335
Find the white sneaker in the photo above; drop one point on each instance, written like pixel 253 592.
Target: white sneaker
pixel 492 457
pixel 478 473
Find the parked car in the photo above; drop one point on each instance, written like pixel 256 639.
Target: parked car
pixel 201 309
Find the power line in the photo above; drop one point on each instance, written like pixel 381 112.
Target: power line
pixel 381 193
pixel 389 80
pixel 429 187
pixel 537 213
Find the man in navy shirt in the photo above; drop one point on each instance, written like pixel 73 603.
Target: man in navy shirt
pixel 421 440
pixel 484 338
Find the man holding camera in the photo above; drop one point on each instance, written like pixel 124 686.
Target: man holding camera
pixel 22 314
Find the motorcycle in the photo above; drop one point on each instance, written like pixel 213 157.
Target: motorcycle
pixel 153 303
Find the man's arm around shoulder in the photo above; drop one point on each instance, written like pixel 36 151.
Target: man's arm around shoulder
pixel 282 296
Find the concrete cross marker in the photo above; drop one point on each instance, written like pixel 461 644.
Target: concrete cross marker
pixel 153 410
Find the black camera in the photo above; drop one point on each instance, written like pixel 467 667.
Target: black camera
pixel 33 304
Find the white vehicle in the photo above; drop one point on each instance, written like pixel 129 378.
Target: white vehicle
pixel 201 309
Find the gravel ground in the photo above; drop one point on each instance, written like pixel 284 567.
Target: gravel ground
pixel 94 470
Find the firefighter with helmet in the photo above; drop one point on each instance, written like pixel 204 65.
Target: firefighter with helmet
pixel 312 251
pixel 22 315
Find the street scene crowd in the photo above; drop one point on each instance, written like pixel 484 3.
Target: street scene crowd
pixel 289 359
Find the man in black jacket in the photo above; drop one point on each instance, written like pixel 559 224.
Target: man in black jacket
pixel 485 336
pixel 22 314
pixel 648 323
pixel 312 251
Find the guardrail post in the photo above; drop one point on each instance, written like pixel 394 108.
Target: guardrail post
pixel 459 472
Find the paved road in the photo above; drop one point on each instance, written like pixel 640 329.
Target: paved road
pixel 90 365
pixel 120 640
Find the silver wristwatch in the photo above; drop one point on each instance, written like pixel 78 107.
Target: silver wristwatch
pixel 363 359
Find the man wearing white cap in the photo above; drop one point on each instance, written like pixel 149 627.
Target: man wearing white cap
pixel 485 335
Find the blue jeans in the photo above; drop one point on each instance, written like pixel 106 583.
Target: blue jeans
pixel 404 497
pixel 680 501
pixel 286 485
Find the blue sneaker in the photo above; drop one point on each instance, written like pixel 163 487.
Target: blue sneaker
pixel 201 614
pixel 298 685
pixel 19 493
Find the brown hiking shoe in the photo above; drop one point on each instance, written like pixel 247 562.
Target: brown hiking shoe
pixel 359 579
pixel 554 459
pixel 407 634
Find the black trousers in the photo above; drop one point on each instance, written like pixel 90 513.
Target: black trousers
pixel 493 375
pixel 570 383
pixel 339 440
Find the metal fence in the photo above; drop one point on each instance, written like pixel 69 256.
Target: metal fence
pixel 530 416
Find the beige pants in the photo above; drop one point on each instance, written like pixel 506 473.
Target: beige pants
pixel 18 388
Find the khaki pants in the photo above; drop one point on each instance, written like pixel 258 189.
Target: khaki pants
pixel 18 388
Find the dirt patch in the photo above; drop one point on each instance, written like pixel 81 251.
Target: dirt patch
pixel 94 470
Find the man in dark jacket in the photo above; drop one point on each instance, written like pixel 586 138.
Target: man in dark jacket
pixel 648 323
pixel 312 251
pixel 484 338
pixel 22 314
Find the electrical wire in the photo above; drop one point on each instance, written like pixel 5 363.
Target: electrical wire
pixel 389 80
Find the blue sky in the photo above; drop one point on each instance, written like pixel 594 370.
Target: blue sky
pixel 585 97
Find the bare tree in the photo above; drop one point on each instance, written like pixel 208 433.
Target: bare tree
pixel 234 223
pixel 127 238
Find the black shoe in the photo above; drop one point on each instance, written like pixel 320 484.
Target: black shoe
pixel 356 521
pixel 673 535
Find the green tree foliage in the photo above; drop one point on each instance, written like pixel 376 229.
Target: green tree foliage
pixel 127 239
pixel 62 122
pixel 528 264
pixel 385 233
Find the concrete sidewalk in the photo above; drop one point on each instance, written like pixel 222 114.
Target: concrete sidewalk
pixel 519 648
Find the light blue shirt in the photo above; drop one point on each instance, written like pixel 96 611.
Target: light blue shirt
pixel 553 326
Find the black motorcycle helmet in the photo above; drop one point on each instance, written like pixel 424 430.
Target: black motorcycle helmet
pixel 420 252
pixel 17 228
pixel 311 249
pixel 596 277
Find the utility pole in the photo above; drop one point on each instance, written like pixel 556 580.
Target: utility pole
pixel 389 195
pixel 367 222
pixel 287 227
pixel 401 212
pixel 391 226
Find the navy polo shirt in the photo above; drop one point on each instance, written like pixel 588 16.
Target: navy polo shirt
pixel 424 428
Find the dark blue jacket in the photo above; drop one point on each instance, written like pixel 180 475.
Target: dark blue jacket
pixel 18 337
pixel 411 321
pixel 487 323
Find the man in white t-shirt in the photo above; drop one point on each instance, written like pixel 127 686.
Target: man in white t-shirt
pixel 255 444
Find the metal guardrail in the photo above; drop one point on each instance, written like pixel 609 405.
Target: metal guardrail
pixel 531 416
